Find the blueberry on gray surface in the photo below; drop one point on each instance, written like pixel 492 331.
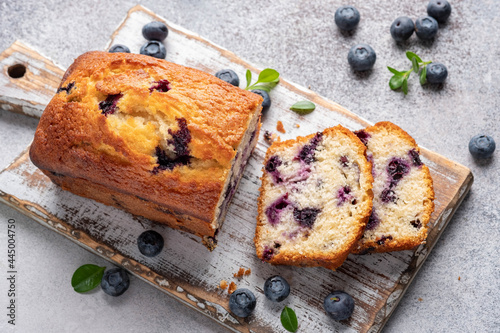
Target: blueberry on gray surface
pixel 276 288
pixel 339 305
pixel 242 302
pixel 266 104
pixel 150 243
pixel 229 76
pixel 482 146
pixel 119 48
pixel 402 28
pixel 155 31
pixel 115 281
pixel 439 9
pixel 361 57
pixel 426 27
pixel 347 18
pixel 436 72
pixel 155 49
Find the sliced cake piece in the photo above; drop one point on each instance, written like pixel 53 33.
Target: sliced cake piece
pixel 402 189
pixel 315 199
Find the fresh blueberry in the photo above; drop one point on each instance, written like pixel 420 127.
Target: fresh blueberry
pixel 155 49
pixel 339 305
pixel 276 288
pixel 229 76
pixel 115 281
pixel 361 57
pixel 155 31
pixel 436 72
pixel 266 104
pixel 402 28
pixel 119 48
pixel 347 18
pixel 426 27
pixel 150 243
pixel 482 146
pixel 242 302
pixel 439 9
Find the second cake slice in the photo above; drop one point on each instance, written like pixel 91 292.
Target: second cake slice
pixel 315 200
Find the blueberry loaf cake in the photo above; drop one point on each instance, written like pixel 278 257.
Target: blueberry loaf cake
pixel 151 137
pixel 402 189
pixel 315 199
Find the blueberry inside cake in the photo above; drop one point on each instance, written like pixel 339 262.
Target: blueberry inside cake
pixel 315 199
pixel 402 189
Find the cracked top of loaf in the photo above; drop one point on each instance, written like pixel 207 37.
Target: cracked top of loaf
pixel 136 124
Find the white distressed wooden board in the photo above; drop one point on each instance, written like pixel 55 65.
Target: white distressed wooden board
pixel 185 269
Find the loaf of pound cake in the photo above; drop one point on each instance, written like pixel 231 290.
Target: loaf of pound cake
pixel 402 188
pixel 315 199
pixel 151 137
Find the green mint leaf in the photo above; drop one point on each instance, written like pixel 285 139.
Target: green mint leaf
pixel 264 87
pixel 396 81
pixel 404 87
pixel 423 75
pixel 289 320
pixel 249 77
pixel 303 107
pixel 394 71
pixel 87 277
pixel 268 75
pixel 410 55
pixel 415 64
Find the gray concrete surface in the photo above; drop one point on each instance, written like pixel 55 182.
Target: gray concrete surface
pixel 301 41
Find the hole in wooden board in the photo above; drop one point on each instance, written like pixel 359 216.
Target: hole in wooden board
pixel 16 71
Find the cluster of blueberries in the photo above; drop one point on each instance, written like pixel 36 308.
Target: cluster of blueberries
pixel 155 32
pixel 361 57
pixel 338 304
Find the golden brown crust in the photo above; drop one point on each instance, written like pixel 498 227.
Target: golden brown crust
pixel 75 139
pixel 408 243
pixel 315 258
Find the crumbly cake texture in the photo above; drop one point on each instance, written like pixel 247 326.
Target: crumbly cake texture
pixel 315 199
pixel 403 191
pixel 157 139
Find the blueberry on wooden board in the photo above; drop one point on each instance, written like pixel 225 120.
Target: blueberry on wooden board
pixel 361 57
pixel 155 49
pixel 276 288
pixel 229 76
pixel 347 18
pixel 339 305
pixel 402 28
pixel 150 243
pixel 155 31
pixel 242 302
pixel 115 281
pixel 266 104
pixel 426 27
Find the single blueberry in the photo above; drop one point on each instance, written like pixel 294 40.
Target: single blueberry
pixel 361 57
pixel 115 281
pixel 397 168
pixel 436 72
pixel 402 28
pixel 426 27
pixel 339 305
pixel 347 18
pixel 119 48
pixel 439 9
pixel 229 76
pixel 155 31
pixel 266 104
pixel 242 302
pixel 155 49
pixel 276 288
pixel 150 243
pixel 482 146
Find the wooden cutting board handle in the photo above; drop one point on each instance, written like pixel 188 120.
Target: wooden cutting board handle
pixel 28 80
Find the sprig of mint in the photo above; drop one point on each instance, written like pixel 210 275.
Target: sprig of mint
pixel 289 319
pixel 303 107
pixel 267 80
pixel 87 277
pixel 400 79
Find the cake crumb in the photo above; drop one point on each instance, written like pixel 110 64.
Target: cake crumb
pixel 458 278
pixel 248 272
pixel 297 125
pixel 279 127
pixel 240 273
pixel 420 299
pixel 223 284
pixel 232 288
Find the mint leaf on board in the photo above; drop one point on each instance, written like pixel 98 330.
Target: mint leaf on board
pixel 423 75
pixel 289 320
pixel 87 277
pixel 268 75
pixel 248 77
pixel 303 107
pixel 267 80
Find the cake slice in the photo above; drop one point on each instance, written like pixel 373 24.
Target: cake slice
pixel 402 189
pixel 156 139
pixel 315 199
